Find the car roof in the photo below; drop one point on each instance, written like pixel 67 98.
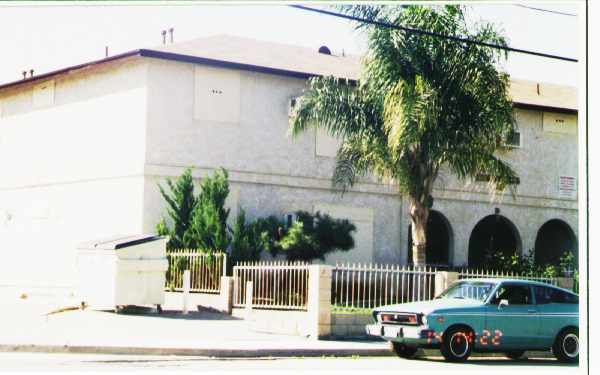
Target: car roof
pixel 516 281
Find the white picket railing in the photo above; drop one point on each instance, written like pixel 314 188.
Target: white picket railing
pixel 372 285
pixel 492 274
pixel 206 270
pixel 275 285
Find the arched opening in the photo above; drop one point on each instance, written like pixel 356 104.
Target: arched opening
pixel 554 238
pixel 439 240
pixel 493 234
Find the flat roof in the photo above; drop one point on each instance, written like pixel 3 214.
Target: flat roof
pixel 302 62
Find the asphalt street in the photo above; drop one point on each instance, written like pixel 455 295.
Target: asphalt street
pixel 38 362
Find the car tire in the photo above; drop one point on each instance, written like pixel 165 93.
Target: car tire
pixel 566 346
pixel 403 350
pixel 457 344
pixel 515 354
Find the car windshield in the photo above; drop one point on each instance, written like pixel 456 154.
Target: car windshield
pixel 477 290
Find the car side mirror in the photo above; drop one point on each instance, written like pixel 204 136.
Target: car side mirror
pixel 503 302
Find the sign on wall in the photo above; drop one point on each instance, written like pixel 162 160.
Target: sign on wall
pixel 559 123
pixel 567 187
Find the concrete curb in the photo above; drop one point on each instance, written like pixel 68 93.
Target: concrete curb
pixel 232 353
pixel 219 353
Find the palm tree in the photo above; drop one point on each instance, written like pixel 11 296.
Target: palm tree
pixel 422 103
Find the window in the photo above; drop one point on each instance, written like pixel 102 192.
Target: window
pixel 545 295
pixel 43 94
pixel 326 145
pixel 217 94
pixel 513 139
pixel 514 294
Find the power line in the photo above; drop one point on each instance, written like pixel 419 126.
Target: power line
pixel 546 10
pixel 429 33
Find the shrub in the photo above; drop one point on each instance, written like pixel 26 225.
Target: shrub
pixel 524 265
pixel 314 236
pixel 180 206
pixel 208 226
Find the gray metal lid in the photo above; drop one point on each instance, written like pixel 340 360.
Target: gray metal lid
pixel 119 242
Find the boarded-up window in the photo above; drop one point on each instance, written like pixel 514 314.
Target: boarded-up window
pixel 43 94
pixel 363 237
pixel 216 94
pixel 326 145
pixel 560 123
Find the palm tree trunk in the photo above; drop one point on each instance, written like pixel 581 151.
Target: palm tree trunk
pixel 419 214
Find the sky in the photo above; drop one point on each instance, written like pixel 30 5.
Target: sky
pixel 53 36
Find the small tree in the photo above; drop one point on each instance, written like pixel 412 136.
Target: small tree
pixel 314 236
pixel 180 205
pixel 208 227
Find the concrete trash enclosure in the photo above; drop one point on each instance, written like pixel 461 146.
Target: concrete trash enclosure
pixel 121 271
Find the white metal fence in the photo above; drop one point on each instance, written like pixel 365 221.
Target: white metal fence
pixel 372 285
pixel 275 285
pixel 481 273
pixel 206 270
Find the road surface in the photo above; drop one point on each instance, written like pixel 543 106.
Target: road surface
pixel 10 362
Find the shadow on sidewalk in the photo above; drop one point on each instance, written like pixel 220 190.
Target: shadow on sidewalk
pixel 200 314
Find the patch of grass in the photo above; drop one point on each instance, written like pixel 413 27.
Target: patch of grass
pixel 351 310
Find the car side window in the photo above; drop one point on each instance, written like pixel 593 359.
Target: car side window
pixel 514 294
pixel 563 297
pixel 543 295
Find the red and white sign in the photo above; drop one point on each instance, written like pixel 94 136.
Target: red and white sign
pixel 567 186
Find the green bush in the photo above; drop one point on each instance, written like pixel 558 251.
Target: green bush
pixel 208 227
pixel 314 236
pixel 200 222
pixel 524 265
pixel 180 206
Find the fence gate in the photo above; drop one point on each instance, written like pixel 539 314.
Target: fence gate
pixel 275 285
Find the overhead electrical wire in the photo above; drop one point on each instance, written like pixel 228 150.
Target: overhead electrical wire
pixel 430 33
pixel 546 10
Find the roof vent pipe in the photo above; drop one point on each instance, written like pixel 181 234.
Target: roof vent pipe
pixel 164 35
pixel 171 34
pixel 24 74
pixel 324 50
pixel 31 73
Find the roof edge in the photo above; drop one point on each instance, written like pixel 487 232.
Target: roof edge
pixel 224 64
pixel 70 68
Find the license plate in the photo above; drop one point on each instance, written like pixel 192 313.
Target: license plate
pixel 392 331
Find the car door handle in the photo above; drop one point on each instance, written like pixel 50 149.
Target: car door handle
pixel 531 311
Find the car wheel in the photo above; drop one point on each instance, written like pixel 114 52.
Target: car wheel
pixel 457 344
pixel 566 346
pixel 403 350
pixel 515 354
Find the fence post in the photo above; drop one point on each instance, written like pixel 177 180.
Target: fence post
pixel 566 282
pixel 186 290
pixel 319 301
pixel 226 294
pixel 443 279
pixel 249 293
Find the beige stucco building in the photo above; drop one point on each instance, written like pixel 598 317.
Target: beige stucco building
pixel 83 149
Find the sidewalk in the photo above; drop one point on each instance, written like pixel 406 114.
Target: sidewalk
pixel 26 327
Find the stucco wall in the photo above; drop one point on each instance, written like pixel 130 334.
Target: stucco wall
pixel 270 173
pixel 71 170
pixel 275 174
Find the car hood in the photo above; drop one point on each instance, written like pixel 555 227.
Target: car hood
pixel 426 307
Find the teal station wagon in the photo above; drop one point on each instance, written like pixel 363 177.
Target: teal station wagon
pixel 499 315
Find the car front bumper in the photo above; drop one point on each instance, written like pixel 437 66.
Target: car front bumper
pixel 420 336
